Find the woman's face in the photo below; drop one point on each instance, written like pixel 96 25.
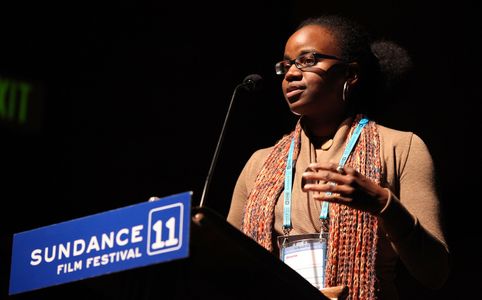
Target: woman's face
pixel 315 91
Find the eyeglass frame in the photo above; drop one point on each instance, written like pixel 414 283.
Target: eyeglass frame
pixel 316 55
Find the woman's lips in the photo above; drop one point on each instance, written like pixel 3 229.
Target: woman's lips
pixel 294 93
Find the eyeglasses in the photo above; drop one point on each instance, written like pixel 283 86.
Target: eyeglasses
pixel 303 61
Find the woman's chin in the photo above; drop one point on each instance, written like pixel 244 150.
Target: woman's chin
pixel 295 113
pixel 297 107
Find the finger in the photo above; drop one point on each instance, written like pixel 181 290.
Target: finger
pixel 329 187
pixel 349 171
pixel 323 176
pixel 320 187
pixel 333 198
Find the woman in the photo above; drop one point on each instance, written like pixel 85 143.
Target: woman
pixel 370 187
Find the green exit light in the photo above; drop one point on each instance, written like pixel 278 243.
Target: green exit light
pixel 14 100
pixel 20 104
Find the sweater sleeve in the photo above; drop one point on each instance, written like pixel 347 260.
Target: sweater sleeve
pixel 238 200
pixel 413 222
pixel 243 186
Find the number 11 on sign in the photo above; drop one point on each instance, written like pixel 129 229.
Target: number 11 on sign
pixel 165 228
pixel 171 227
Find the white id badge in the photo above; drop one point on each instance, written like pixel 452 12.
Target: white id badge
pixel 306 254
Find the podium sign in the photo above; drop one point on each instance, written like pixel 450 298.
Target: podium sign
pixel 120 239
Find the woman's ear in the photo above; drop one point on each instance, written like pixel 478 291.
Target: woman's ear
pixel 352 73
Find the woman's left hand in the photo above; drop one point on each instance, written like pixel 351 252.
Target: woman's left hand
pixel 344 186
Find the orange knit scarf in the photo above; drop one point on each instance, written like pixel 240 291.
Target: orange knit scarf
pixel 352 233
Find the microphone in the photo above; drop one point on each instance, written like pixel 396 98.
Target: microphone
pixel 250 83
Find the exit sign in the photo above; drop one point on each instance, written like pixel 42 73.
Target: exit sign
pixel 20 103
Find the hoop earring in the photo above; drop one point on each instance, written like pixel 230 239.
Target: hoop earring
pixel 345 90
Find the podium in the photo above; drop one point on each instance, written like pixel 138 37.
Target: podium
pixel 223 263
pixel 239 264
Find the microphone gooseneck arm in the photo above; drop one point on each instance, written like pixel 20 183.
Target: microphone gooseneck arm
pixel 218 147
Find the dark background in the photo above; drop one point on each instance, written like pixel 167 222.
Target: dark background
pixel 131 96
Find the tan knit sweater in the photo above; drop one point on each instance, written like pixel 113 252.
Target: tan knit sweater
pixel 410 223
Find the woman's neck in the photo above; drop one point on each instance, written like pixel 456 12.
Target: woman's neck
pixel 321 129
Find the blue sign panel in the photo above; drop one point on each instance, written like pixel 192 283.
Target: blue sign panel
pixel 116 240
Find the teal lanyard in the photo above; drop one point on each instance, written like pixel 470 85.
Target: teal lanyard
pixel 289 175
pixel 288 187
